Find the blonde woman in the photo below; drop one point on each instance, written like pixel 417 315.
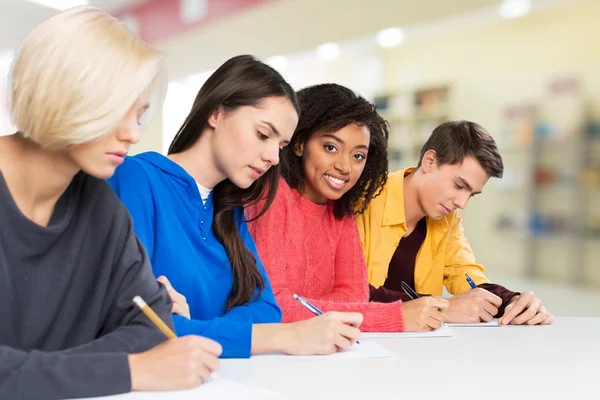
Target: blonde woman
pixel 70 264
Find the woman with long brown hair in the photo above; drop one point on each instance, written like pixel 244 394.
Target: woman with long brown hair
pixel 188 211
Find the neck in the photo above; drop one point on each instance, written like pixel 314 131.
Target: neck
pixel 199 161
pixel 36 177
pixel 413 212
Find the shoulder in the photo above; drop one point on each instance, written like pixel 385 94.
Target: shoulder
pixel 99 202
pixel 133 170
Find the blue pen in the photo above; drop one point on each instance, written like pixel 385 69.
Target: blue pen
pixel 310 307
pixel 470 282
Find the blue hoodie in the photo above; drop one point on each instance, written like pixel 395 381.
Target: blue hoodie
pixel 175 227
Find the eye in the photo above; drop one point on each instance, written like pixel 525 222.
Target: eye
pixel 360 156
pixel 261 135
pixel 330 148
pixel 459 187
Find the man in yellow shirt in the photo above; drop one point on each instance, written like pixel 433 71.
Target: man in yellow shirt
pixel 412 233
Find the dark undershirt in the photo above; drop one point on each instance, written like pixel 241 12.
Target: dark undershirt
pixel 402 268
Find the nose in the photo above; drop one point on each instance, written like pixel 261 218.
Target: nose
pixel 343 165
pixel 461 200
pixel 129 131
pixel 271 155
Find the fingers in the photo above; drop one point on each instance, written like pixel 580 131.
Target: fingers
pixel 436 302
pixel 342 343
pixel 489 296
pixel 350 318
pixel 163 279
pixel 180 309
pixel 530 312
pixel 485 316
pixel 349 332
pixel 209 361
pixel 485 309
pixel 437 315
pixel 549 319
pixel 176 297
pixel 539 317
pixel 210 346
pixel 516 308
pixel 435 320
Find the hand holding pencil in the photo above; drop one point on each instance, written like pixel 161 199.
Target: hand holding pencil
pixel 178 363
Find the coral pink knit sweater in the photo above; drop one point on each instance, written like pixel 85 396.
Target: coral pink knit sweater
pixel 307 251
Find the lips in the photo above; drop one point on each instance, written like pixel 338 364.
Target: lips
pixel 117 156
pixel 335 182
pixel 257 172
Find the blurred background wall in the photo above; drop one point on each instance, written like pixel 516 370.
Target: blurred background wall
pixel 528 71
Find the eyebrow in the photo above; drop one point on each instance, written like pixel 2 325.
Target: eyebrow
pixel 464 182
pixel 337 139
pixel 275 131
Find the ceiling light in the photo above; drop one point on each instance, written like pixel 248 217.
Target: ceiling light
pixel 328 51
pixel 511 9
pixel 390 37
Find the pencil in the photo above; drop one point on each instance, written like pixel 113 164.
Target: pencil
pixel 154 317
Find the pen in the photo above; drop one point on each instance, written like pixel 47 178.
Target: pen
pixel 408 290
pixel 154 317
pixel 470 282
pixel 310 307
pixel 307 305
pixel 412 294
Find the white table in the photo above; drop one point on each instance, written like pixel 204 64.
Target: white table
pixel 561 361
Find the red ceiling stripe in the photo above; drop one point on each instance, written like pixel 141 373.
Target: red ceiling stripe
pixel 157 20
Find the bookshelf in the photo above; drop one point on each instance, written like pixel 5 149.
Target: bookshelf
pixel 412 115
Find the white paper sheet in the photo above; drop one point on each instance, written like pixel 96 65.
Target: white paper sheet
pixel 444 331
pixel 493 322
pixel 365 349
pixel 217 389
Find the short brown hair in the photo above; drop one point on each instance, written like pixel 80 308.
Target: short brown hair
pixel 453 141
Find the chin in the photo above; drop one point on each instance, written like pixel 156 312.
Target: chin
pixel 242 183
pixel 101 173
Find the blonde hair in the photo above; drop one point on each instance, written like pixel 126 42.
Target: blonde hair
pixel 77 74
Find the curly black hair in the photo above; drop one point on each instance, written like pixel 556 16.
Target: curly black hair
pixel 331 107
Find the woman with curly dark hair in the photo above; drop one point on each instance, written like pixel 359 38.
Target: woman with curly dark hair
pixel 334 165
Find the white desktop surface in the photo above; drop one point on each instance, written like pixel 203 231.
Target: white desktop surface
pixel 514 362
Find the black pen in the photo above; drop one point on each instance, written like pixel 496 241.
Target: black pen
pixel 408 290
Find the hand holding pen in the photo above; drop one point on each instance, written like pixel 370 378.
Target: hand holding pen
pixel 336 330
pixel 422 313
pixel 178 363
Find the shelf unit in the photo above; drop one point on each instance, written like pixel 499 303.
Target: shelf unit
pixel 412 115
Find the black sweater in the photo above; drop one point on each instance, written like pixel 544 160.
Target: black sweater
pixel 67 321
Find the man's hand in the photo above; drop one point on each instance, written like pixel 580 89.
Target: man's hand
pixel 526 309
pixel 472 307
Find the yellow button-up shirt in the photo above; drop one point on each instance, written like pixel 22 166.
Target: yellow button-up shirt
pixel 444 257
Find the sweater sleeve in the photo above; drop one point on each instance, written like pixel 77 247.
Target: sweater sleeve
pixel 350 290
pixel 460 260
pixel 234 329
pixel 36 374
pixel 100 367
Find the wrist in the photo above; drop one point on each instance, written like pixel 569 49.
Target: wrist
pixel 269 338
pixel 134 372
